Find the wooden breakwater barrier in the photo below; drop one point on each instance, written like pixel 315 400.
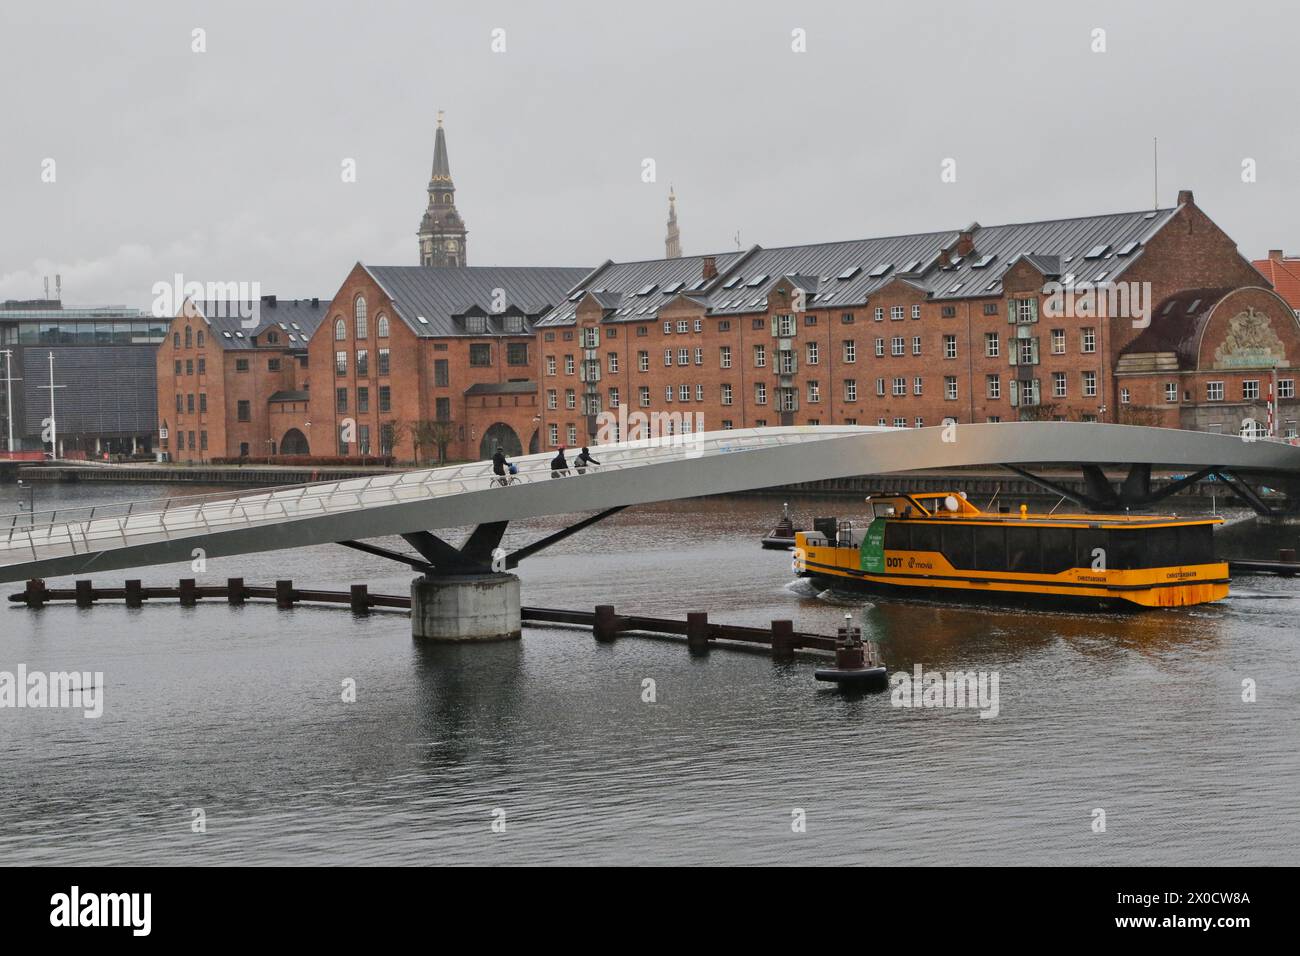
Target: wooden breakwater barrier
pixel 605 623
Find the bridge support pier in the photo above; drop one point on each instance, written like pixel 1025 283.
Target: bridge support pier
pixel 465 607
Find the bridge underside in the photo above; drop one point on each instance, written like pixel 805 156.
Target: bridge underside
pixel 415 505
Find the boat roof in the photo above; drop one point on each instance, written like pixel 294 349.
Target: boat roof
pixel 923 509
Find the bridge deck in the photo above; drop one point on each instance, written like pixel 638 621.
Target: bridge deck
pixel 136 533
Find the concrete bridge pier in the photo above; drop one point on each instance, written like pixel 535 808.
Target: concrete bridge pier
pixel 465 607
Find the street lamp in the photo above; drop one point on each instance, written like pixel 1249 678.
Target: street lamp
pixel 31 500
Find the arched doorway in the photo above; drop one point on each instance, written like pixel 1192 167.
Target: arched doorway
pixel 294 442
pixel 500 436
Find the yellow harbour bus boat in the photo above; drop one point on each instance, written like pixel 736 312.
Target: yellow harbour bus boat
pixel 942 545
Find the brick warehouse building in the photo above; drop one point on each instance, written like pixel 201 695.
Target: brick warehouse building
pixel 226 391
pixel 426 362
pixel 906 330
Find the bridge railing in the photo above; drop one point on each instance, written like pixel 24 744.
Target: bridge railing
pixel 99 526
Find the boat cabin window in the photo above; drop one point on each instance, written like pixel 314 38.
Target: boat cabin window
pixel 959 545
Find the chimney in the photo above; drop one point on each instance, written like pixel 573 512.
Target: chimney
pixel 710 267
pixel 965 244
pixel 268 300
pixel 315 302
pixel 1185 198
pixel 1275 255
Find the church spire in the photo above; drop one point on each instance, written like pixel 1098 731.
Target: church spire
pixel 442 232
pixel 673 241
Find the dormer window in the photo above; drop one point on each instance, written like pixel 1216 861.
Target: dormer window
pixel 514 323
pixel 476 324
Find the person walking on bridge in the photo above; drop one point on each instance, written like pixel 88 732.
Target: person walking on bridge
pixel 559 465
pixel 583 460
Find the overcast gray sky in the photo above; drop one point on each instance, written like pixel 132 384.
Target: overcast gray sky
pixel 225 165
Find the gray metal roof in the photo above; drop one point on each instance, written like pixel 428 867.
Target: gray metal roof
pixel 438 294
pixel 501 388
pixel 635 291
pixel 293 319
pixel 849 273
pixel 290 395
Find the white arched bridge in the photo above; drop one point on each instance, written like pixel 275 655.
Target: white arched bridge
pixel 414 504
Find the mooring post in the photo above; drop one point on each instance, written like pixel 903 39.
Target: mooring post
pixel 360 599
pixel 85 594
pixel 284 594
pixel 188 597
pixel 35 593
pixel 234 591
pixel 133 596
pixel 697 632
pixel 605 626
pixel 783 640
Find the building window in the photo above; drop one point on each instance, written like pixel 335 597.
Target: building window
pixel 203 441
pixel 950 346
pixel 760 394
pixel 724 356
pixel 177 367
pixel 243 411
pixel 552 399
pixel 570 399
pixel 180 404
pixel 385 398
pixel 899 388
pixel 699 325
pixel 992 344
pixel 684 393
pixel 441 373
pixel 550 365
pixel 517 353
pixel 360 313
pixel 1026 310
pixel 724 325
pixel 573 435
pixel 683 326
pixel 568 365
pixel 553 434
pixel 950 387
pixel 760 356
pixel 1285 388
pixel 1171 392
pixel 880 314
pixel 1027 351
pixel 897 312
pixel 814 392
pixel 643 396
pixel 699 356
pixel 850 390
pixel 1250 390
pixel 916 311
pixel 643 361
pixel 363 362
pixel 441 409
pixel 340 399
pixel 383 361
pixel 273 365
pixel 917 384
pixel 1090 384
pixel 1124 396
pixel 990 308
pixel 381 327
pixel 241 365
pixel 613 361
pixel 340 363
pixel 683 356
pixel 613 398
pixel 784 325
pixel 880 348
pixel 916 345
pixel 668 328
pixel 850 351
pixel 949 311
pixel 480 356
pixel 726 394
pixel 203 402
pixel 1058 341
pixel 1214 391
pixel 812 353
pixel 900 422
pixel 993 386
pixel 1089 340
pixel 668 358
pixel 897 345
pixel 846 318
pixel 880 387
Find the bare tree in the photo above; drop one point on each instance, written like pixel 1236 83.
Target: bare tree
pixel 427 434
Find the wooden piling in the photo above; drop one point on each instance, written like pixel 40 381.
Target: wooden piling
pixel 783 640
pixel 605 626
pixel 697 632
pixel 188 597
pixel 235 591
pixel 284 596
pixel 133 596
pixel 360 599
pixel 34 594
pixel 85 594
